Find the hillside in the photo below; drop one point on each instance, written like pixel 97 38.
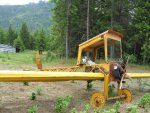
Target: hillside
pixel 35 15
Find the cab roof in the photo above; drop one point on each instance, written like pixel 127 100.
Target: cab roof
pixel 98 41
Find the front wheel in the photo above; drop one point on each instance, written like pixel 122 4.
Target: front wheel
pixel 97 100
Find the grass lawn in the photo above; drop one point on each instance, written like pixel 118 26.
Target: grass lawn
pixel 28 57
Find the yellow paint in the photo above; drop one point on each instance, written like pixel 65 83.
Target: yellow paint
pixel 138 75
pixel 106 82
pixel 127 93
pixel 19 76
pixel 38 60
pixel 96 42
pixel 105 49
pixel 97 100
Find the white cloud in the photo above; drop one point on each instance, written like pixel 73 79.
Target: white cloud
pixel 18 2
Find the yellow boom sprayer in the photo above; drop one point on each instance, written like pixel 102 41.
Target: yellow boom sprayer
pixel 106 64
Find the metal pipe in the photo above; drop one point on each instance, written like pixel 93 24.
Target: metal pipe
pixel 19 76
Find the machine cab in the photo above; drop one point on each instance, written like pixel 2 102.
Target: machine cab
pixel 102 48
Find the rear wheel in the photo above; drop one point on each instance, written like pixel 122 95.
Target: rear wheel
pixel 97 100
pixel 127 93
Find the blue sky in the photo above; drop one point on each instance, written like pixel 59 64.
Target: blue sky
pixel 18 2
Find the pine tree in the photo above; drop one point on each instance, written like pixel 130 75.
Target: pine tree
pixel 140 28
pixel 41 41
pixel 11 35
pixel 32 41
pixel 25 35
pixel 2 36
pixel 19 44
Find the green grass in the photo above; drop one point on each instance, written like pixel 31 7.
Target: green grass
pixel 140 65
pixel 28 57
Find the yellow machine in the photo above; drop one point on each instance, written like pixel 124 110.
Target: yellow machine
pixel 102 49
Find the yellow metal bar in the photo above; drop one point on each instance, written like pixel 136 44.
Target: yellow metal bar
pixel 139 75
pixel 113 36
pixel 94 55
pixel 105 49
pixel 106 82
pixel 79 56
pixel 83 46
pixel 19 76
pixel 38 60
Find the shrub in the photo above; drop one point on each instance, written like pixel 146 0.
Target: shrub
pixel 74 110
pixel 144 100
pixel 26 83
pixel 38 90
pixel 62 104
pixel 50 56
pixel 132 109
pixel 97 110
pixel 19 44
pixel 132 58
pixel 110 111
pixel 33 96
pixel 117 106
pixel 90 86
pixel 111 91
pixel 87 107
pixel 33 109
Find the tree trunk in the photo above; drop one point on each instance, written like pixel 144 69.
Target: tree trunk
pixel 87 24
pixel 112 13
pixel 88 19
pixel 67 29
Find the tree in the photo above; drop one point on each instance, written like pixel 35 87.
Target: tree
pixel 146 51
pixel 140 29
pixel 2 36
pixel 25 35
pixel 130 17
pixel 32 41
pixel 11 35
pixel 18 44
pixel 41 41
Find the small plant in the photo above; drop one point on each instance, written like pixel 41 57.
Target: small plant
pixel 111 91
pixel 110 111
pixel 33 109
pixel 38 90
pixel 62 104
pixel 132 109
pixel 145 100
pixel 74 110
pixel 117 106
pixel 90 86
pixel 97 110
pixel 26 83
pixel 87 107
pixel 33 96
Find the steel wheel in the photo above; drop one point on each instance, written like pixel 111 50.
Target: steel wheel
pixel 97 100
pixel 127 93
